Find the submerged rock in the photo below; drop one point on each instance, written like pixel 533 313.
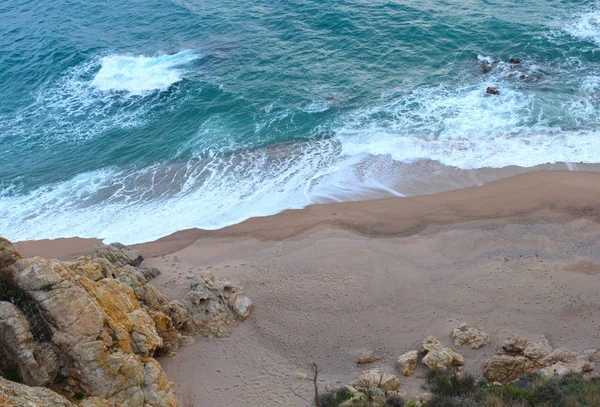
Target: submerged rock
pixel 492 91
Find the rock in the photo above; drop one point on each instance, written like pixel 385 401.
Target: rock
pixel 367 356
pixel 8 254
pixel 97 324
pixel 301 376
pixel 506 368
pixel 103 337
pixel 400 393
pixel 537 351
pixel 242 307
pixel 18 343
pixel 580 366
pixel 515 344
pixel 377 395
pixel 118 254
pixel 439 357
pixel 514 61
pixel 466 334
pixel 559 355
pixel 373 378
pixel 407 362
pixel 591 355
pixel 492 91
pixel 95 402
pixel 19 395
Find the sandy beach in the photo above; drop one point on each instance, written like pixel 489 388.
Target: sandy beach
pixel 520 255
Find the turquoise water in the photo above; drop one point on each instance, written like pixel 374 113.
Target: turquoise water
pixel 131 120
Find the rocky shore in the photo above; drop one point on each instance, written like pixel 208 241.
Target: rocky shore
pixel 87 332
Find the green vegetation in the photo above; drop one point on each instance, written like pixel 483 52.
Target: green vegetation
pixel 572 390
pixel 450 390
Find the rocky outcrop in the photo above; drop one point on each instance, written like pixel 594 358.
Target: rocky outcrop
pixel 465 334
pixel 518 357
pixel 407 362
pixel 91 327
pixel 439 357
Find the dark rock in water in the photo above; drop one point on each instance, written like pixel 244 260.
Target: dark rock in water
pixel 492 91
pixel 486 67
pixel 514 61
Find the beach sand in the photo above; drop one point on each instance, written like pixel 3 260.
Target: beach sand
pixel 517 255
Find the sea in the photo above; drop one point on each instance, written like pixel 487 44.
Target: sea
pixel 131 120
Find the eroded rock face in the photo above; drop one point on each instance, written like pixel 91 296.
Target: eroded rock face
pixel 92 326
pixel 439 357
pixel 466 334
pixel 407 362
pixel 16 339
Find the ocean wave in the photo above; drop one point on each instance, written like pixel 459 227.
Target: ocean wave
pixel 585 25
pixel 99 95
pixel 140 74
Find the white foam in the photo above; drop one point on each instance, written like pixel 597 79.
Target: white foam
pixel 140 74
pixel 460 127
pixel 585 25
pixel 465 128
pixel 96 96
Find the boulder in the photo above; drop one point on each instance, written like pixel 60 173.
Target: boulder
pixel 466 334
pixel 19 395
pixel 506 368
pixel 367 356
pixel 117 254
pixel 591 355
pixel 515 344
pixel 560 355
pixel 373 378
pixel 439 357
pixel 492 91
pixel 537 351
pixel 407 362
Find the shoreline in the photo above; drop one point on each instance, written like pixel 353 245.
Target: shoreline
pixel 519 255
pixel 438 208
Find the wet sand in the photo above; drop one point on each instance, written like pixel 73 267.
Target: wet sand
pixel 517 255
